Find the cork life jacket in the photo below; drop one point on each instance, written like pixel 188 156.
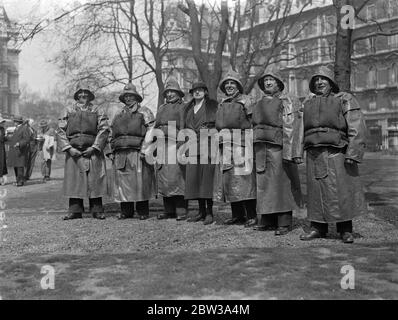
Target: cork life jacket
pixel 232 115
pixel 324 123
pixel 128 130
pixel 267 121
pixel 82 129
pixel 169 112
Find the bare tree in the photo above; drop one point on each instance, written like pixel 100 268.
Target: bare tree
pixel 250 50
pixel 209 64
pixel 254 48
pixel 346 38
pixel 111 42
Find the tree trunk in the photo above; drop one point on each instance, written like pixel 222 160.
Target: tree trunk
pixel 342 67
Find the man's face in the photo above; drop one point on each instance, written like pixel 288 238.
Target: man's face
pixel 171 95
pixel 322 85
pixel 199 93
pixel 129 99
pixel 270 85
pixel 231 87
pixel 82 97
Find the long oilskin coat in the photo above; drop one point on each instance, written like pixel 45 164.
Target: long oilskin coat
pixel 170 176
pixel 199 177
pixel 236 182
pixel 334 188
pixel 133 177
pixel 278 184
pixel 85 177
pixel 17 156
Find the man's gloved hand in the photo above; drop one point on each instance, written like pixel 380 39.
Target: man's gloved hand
pixel 74 152
pixel 88 152
pixel 297 160
pixel 111 156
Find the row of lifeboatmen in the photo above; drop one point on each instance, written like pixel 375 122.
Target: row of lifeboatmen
pixel 328 126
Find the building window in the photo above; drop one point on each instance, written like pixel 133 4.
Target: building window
pixel 372 77
pixel 360 79
pixel 330 24
pixel 393 8
pixel 371 12
pixel 394 74
pixel 372 103
pixel 393 41
pixel 394 102
pixel 382 77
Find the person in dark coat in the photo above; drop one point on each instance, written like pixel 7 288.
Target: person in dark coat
pixel 334 140
pixel 32 150
pixel 278 131
pixel 19 144
pixel 3 161
pixel 200 113
pixel 170 176
pixel 133 178
pixel 83 134
pixel 235 182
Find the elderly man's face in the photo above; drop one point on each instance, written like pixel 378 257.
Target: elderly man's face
pixel 129 99
pixel 199 93
pixel 171 95
pixel 82 97
pixel 231 87
pixel 322 85
pixel 270 85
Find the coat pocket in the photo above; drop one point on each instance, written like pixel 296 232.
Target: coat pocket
pixel 260 157
pixel 120 161
pixel 321 167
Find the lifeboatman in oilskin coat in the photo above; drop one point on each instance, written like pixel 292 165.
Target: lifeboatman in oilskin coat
pixel 235 182
pixel 277 135
pixel 334 139
pixel 133 177
pixel 83 133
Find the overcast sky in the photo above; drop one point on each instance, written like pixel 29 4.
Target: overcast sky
pixel 39 74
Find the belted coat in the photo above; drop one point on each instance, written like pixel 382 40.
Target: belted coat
pixel 133 176
pixel 85 177
pixel 170 174
pixel 334 188
pixel 199 176
pixel 277 177
pixel 235 178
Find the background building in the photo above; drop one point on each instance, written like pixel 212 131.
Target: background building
pixel 9 76
pixel 374 78
pixel 310 43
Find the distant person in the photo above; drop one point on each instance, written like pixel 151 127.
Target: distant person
pixel 48 145
pixel 19 144
pixel 3 161
pixel 32 150
pixel 83 134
